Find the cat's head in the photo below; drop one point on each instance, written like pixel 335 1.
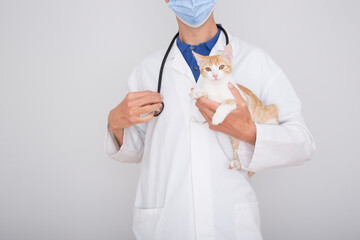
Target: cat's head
pixel 215 68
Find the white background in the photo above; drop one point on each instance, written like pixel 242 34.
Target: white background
pixel 63 66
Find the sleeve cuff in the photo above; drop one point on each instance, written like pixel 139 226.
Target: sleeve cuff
pixel 275 146
pixel 246 150
pixel 113 151
pixel 111 146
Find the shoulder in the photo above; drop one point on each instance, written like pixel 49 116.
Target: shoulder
pixel 252 55
pixel 252 66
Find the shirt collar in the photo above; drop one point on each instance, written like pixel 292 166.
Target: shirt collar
pixel 209 44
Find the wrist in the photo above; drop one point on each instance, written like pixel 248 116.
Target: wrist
pixel 115 129
pixel 250 133
pixel 247 133
pixel 118 133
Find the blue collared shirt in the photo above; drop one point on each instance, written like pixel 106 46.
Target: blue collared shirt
pixel 202 49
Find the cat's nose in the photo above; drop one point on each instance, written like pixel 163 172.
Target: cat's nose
pixel 215 75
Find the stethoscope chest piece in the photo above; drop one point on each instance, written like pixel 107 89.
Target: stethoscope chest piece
pixel 157 112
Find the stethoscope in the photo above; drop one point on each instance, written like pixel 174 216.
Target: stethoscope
pixel 157 112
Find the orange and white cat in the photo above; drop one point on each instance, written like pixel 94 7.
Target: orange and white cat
pixel 215 73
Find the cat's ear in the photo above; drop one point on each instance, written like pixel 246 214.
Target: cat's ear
pixel 199 58
pixel 228 53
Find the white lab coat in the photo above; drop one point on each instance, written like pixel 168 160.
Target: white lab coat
pixel 185 190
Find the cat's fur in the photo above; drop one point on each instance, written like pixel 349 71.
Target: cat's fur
pixel 215 73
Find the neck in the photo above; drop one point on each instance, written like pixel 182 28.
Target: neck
pixel 195 36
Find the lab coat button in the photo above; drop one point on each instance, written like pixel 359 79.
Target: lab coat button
pixel 195 68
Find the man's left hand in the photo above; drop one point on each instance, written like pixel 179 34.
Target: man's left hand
pixel 238 123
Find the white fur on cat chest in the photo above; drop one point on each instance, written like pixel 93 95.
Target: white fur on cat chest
pixel 217 91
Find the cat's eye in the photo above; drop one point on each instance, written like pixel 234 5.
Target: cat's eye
pixel 221 67
pixel 208 69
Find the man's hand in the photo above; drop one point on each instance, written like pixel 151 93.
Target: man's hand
pixel 238 123
pixel 127 112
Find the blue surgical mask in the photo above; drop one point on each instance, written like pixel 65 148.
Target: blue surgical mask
pixel 193 13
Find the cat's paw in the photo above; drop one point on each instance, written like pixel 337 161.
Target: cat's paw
pixel 217 118
pixel 197 93
pixel 234 164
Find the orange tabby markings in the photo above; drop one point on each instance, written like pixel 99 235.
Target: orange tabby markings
pixel 215 74
pixel 229 101
pixel 259 112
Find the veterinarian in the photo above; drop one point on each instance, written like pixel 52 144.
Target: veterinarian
pixel 185 190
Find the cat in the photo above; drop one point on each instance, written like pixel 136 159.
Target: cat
pixel 215 73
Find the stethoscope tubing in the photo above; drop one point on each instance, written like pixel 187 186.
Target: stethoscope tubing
pixel 157 113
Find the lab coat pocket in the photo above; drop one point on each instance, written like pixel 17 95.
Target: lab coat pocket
pixel 148 223
pixel 247 220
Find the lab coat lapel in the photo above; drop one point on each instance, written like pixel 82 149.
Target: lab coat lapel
pixel 180 65
pixel 220 44
pixel 182 79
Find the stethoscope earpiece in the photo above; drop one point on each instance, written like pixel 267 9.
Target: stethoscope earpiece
pixel 157 113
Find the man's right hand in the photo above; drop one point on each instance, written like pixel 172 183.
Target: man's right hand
pixel 127 112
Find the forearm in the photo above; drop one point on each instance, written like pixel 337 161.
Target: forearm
pixel 127 146
pixel 246 134
pixel 279 146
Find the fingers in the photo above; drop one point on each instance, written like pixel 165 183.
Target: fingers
pixel 144 118
pixel 144 99
pixel 207 103
pixel 207 113
pixel 135 95
pixel 236 93
pixel 207 109
pixel 147 109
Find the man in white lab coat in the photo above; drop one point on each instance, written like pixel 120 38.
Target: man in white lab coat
pixel 185 190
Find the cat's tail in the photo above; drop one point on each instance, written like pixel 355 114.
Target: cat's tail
pixel 271 114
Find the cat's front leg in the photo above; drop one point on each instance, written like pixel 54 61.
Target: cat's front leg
pixel 198 93
pixel 222 111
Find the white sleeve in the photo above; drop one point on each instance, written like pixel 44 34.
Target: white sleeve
pixel 131 151
pixel 288 144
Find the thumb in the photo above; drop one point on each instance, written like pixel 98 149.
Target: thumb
pixel 236 93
